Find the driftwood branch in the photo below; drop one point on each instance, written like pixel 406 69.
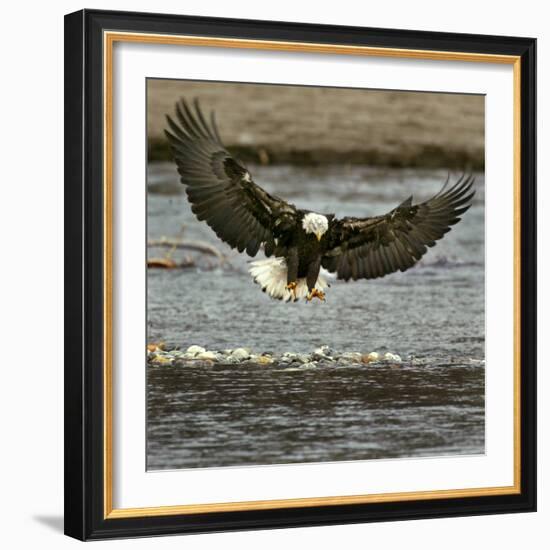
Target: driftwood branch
pixel 199 246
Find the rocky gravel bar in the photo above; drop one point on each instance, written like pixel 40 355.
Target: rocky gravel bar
pixel 158 356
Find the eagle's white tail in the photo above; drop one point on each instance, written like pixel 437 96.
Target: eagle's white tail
pixel 270 274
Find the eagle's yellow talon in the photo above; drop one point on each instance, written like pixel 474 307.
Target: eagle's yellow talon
pixel 314 293
pixel 292 287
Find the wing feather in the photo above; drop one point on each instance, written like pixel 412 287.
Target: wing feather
pixel 368 248
pixel 220 189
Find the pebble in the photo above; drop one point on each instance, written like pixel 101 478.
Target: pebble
pixel 240 354
pixel 325 351
pixel 195 350
pixel 371 357
pixel 208 355
pixel 155 347
pixel 351 357
pixel 163 359
pixel 392 358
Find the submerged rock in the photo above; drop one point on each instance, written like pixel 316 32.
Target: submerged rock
pixel 200 363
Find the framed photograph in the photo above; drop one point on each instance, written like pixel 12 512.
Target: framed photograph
pixel 300 274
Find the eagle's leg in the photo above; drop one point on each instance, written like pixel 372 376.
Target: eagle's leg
pixel 292 287
pixel 292 262
pixel 292 271
pixel 312 276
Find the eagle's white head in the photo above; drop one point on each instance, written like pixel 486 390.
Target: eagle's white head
pixel 315 223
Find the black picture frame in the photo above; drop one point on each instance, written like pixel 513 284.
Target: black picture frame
pixel 84 282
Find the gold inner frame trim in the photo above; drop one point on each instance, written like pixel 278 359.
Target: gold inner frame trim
pixel 109 39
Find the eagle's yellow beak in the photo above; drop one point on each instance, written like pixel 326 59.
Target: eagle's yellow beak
pixel 319 235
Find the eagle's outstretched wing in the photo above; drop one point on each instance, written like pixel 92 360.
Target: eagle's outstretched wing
pixel 367 248
pixel 220 189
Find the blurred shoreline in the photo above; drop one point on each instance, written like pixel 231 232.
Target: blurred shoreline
pixel 310 126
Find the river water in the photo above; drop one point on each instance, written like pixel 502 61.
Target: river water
pixel 432 316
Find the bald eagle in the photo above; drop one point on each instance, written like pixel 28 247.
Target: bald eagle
pixel 300 244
